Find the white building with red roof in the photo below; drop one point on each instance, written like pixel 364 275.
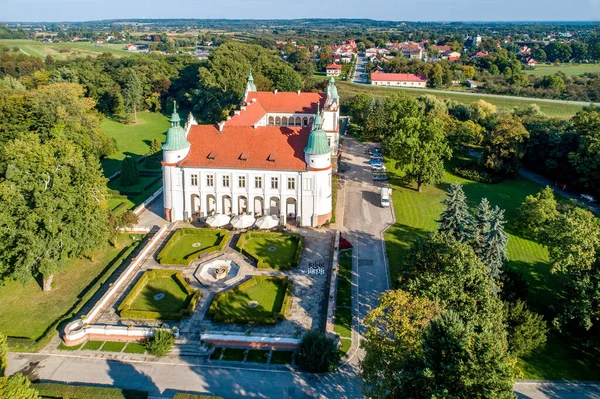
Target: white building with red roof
pixel 275 156
pixel 333 69
pixel 398 79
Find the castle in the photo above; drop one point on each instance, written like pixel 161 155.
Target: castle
pixel 275 156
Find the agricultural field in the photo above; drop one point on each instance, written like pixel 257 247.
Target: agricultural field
pixel 416 214
pixel 557 110
pixel 567 69
pixel 65 50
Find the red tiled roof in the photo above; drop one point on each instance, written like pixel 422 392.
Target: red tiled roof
pixel 442 48
pixel 228 146
pixel 333 66
pixel 398 77
pixel 303 103
pixel 252 114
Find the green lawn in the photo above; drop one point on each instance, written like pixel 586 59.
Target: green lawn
pixel 110 346
pixel 267 291
pixel 187 244
pixel 64 347
pixel 567 69
pixel 557 110
pixel 27 311
pixel 65 50
pixel 233 354
pixel 133 139
pixel 346 344
pixel 416 214
pixel 92 345
pixel 257 356
pixel 132 196
pixel 343 322
pixel 135 348
pixel 271 250
pixel 344 288
pixel 175 297
pixel 282 357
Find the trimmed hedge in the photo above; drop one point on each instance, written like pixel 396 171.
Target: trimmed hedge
pixel 126 312
pixel 262 264
pixel 65 391
pixel 162 255
pixel 21 344
pixel 276 316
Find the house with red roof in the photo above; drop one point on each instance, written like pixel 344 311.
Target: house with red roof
pixel 333 69
pixel 273 157
pixel 398 79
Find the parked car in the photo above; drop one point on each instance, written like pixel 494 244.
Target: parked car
pixel 385 196
pixel 589 198
pixel 375 151
pixel 378 167
pixel 380 177
pixel 374 161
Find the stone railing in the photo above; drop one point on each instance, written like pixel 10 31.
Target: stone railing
pixel 150 200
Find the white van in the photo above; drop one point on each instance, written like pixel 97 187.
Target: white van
pixel 385 193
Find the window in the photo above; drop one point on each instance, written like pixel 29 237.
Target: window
pixel 258 182
pixel 329 141
pixel 307 184
pixel 291 183
pixel 210 181
pixel 225 181
pixel 274 182
pixel 242 181
pixel 194 180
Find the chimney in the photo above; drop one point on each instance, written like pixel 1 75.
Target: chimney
pixel 275 91
pixel 243 108
pixel 298 92
pixel 254 100
pixel 221 126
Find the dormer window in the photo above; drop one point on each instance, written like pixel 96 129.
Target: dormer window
pixel 271 157
pixel 212 155
pixel 243 156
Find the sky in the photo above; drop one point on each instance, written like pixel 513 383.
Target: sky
pixel 396 10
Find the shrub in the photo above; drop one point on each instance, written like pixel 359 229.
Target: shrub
pixel 317 353
pixel 130 175
pixel 526 329
pixel 472 172
pixel 160 344
pixel 53 390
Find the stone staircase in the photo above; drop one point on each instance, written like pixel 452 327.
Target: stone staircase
pixel 189 345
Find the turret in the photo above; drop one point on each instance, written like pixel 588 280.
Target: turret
pixel 333 98
pixel 176 146
pixel 317 152
pixel 250 86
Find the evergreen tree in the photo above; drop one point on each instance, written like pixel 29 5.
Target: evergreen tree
pixel 131 88
pixel 17 386
pixel 317 353
pixel 481 225
pixel 455 218
pixel 493 251
pixel 154 155
pixel 130 175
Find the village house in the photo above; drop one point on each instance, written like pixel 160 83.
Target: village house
pixel 398 79
pixel 333 70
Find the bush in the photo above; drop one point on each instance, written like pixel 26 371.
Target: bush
pixel 65 391
pixel 160 344
pixel 317 353
pixel 514 285
pixel 3 353
pixel 472 172
pixel 526 329
pixel 130 175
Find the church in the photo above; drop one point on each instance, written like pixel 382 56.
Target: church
pixel 274 156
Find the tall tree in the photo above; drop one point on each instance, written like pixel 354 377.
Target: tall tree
pixel 505 146
pixel 537 213
pixel 455 219
pixel 17 386
pixel 418 146
pixel 131 89
pixel 586 159
pixel 526 329
pixel 493 251
pixel 481 225
pixel 130 174
pixel 393 339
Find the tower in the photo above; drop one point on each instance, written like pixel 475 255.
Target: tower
pixel 317 155
pixel 175 149
pixel 250 86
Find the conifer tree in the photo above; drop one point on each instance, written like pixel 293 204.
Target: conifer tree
pixel 130 175
pixel 455 218
pixel 481 224
pixel 493 249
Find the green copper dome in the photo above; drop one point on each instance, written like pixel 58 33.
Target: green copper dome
pixel 317 141
pixel 176 139
pixel 251 84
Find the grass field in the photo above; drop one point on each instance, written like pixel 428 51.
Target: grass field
pixel 269 294
pixel 272 250
pixel 133 139
pixel 282 357
pixel 183 246
pixel 416 214
pixel 175 297
pixel 134 347
pixel 65 50
pixel 27 311
pixel 557 110
pixel 257 356
pixel 233 354
pixel 567 69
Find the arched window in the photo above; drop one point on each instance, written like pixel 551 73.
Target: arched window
pixel 291 121
pixel 305 121
pixel 271 121
pixel 311 120
pixel 298 121
pixel 284 121
pixel 278 121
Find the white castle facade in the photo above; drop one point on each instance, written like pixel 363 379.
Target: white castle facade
pixel 275 156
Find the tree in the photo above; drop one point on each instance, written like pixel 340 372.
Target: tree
pixel 526 329
pixel 52 206
pixel 538 212
pixel 161 342
pixel 586 159
pixel 405 318
pixel 418 146
pixel 455 219
pixel 17 386
pixel 463 359
pixel 317 353
pixel 3 353
pixel 539 55
pixel 481 225
pixel 505 146
pixel 558 52
pixel 492 248
pixel 436 75
pixel 358 107
pixel 154 155
pixel 131 90
pixel 469 71
pixel 130 175
pixel 481 111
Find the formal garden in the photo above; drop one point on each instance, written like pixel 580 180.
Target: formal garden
pixel 160 295
pixel 186 245
pixel 279 251
pixel 260 300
